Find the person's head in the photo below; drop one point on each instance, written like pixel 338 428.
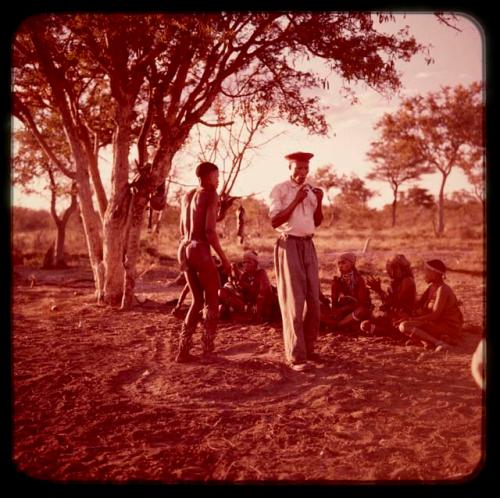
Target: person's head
pixel 434 270
pixel 208 174
pixel 346 262
pixel 398 266
pixel 250 261
pixel 298 163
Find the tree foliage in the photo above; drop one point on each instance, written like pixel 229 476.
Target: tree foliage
pixel 441 130
pixel 395 156
pixel 143 82
pixel 418 196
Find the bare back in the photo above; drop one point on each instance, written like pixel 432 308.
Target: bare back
pixel 194 213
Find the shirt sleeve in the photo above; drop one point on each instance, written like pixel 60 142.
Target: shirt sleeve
pixel 276 198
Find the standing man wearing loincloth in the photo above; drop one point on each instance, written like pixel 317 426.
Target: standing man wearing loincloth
pixel 198 233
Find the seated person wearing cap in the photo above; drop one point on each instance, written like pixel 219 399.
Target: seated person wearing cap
pixel 249 290
pixel 437 318
pixel 351 301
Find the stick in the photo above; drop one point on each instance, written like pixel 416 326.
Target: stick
pixel 367 243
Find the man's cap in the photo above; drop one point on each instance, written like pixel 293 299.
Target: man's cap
pixel 205 168
pixel 436 265
pixel 349 256
pixel 299 156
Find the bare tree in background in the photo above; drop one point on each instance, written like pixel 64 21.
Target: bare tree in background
pixel 30 163
pixel 396 160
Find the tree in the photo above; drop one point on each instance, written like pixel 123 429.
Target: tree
pixel 353 191
pixel 395 157
pixel 444 129
pixel 418 196
pixel 242 119
pixel 325 178
pixel 29 164
pixel 155 76
pixel 476 175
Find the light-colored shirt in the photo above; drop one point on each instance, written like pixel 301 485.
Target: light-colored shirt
pixel 301 221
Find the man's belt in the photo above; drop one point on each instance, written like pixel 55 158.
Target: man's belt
pixel 297 237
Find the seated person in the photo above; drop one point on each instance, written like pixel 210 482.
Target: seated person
pixel 249 291
pixel 437 318
pixel 185 291
pixel 398 301
pixel 350 297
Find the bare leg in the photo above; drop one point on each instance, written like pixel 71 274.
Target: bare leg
pixel 412 330
pixel 209 279
pixel 182 296
pixel 192 317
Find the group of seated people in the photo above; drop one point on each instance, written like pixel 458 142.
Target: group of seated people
pixel 433 320
pixel 247 292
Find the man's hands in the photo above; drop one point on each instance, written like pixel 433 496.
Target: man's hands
pixel 301 194
pixel 303 191
pixel 318 193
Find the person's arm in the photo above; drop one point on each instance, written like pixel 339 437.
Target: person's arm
pixel 442 296
pixel 478 369
pixel 211 231
pixel 363 293
pixel 318 213
pixel 182 217
pixel 284 214
pixel 406 298
pixel 374 284
pixel 335 291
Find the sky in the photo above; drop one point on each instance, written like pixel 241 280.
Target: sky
pixel 458 59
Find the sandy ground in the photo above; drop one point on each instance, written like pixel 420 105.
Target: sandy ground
pixel 98 397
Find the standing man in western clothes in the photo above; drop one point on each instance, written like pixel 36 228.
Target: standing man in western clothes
pixel 295 212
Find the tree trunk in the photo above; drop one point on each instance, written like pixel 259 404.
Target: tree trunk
pixel 394 207
pixel 440 225
pixel 114 243
pixel 115 219
pixel 136 216
pixel 91 220
pixel 156 229
pixel 59 259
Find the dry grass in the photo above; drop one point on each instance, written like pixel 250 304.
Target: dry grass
pixel 461 247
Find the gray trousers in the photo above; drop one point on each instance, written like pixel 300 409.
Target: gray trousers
pixel 296 267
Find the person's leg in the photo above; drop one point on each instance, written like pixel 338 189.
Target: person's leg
pixel 291 284
pixel 312 318
pixel 192 317
pixel 209 278
pixel 415 330
pixel 182 296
